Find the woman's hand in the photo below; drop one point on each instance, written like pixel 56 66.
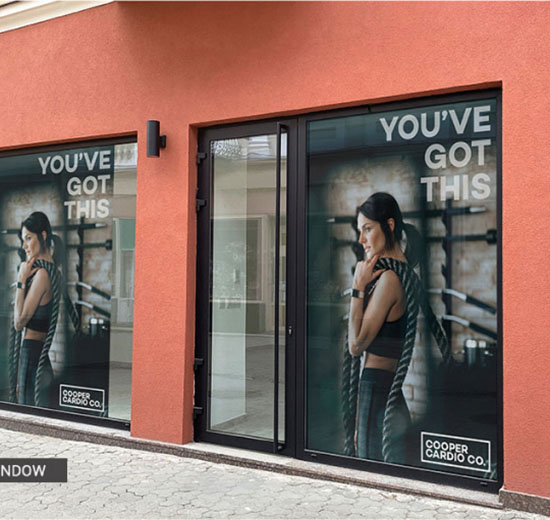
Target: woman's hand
pixel 364 273
pixel 26 270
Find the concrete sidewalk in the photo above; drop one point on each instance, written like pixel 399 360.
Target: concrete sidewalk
pixel 115 482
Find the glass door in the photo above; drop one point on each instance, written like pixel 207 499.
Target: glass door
pixel 243 260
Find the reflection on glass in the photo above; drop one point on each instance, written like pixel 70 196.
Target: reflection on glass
pixel 242 297
pixel 122 300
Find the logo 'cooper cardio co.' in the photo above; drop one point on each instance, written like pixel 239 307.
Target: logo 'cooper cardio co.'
pixel 82 398
pixel 457 452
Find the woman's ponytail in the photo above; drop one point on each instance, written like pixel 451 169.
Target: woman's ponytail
pixel 58 253
pixel 415 245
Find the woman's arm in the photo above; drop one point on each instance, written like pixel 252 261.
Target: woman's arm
pixel 25 306
pixel 364 326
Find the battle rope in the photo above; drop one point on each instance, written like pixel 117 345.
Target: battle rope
pixel 15 336
pixel 54 275
pixel 414 295
pixel 350 385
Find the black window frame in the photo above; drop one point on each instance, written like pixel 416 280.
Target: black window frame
pixel 108 422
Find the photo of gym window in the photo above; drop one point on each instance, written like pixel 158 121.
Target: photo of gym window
pixel 402 287
pixel 67 241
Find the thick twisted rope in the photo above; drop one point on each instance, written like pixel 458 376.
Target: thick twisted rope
pixel 350 384
pixel 15 337
pixel 414 296
pixel 13 364
pixel 407 278
pixel 351 371
pixel 55 279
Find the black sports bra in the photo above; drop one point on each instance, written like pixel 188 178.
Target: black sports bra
pixel 40 320
pixel 390 339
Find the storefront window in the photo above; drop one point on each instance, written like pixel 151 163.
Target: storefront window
pixel 67 320
pixel 402 221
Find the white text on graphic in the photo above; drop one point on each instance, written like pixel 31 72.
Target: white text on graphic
pixel 70 162
pixel 437 156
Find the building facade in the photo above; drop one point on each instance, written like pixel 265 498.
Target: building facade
pixel 212 282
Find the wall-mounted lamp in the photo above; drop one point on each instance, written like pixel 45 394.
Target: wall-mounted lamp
pixel 155 141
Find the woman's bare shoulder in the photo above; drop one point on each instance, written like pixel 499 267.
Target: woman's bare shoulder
pixel 388 287
pixel 390 284
pixel 390 278
pixel 41 277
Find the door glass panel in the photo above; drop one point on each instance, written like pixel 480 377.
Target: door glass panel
pixel 242 299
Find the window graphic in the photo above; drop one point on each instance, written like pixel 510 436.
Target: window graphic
pixel 67 240
pixel 402 339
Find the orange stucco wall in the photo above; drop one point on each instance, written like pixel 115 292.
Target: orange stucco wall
pixel 105 71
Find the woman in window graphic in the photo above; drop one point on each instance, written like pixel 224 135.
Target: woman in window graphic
pixel 35 312
pixel 382 327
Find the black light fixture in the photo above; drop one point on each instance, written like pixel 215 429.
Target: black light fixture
pixel 155 141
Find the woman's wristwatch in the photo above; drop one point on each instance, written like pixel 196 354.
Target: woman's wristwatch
pixel 355 293
pixel 20 285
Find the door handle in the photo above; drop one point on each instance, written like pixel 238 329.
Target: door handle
pixel 276 446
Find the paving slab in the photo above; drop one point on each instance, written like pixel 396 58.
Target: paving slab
pixel 150 485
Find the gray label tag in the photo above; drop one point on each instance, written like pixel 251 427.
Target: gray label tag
pixel 33 470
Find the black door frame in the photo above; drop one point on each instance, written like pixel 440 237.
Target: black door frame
pixel 296 292
pixel 204 192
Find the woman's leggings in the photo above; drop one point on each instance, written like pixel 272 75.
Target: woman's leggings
pixel 374 387
pixel 28 364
